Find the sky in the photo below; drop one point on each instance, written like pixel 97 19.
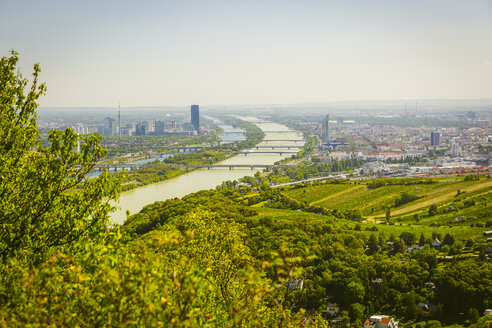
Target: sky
pixel 233 52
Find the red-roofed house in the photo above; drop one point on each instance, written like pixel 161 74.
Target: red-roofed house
pixel 380 321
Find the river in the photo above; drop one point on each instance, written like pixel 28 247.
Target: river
pixel 134 200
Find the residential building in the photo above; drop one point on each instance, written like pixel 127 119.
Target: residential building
pixel 332 309
pixel 436 244
pixel 380 321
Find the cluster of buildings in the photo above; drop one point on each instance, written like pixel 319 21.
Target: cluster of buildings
pixel 447 148
pixel 113 126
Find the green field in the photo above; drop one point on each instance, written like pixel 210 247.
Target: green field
pixel 472 203
pixel 373 202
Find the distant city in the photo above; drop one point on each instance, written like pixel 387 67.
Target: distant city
pixel 134 127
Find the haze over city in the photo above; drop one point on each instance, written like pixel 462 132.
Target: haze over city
pixel 175 53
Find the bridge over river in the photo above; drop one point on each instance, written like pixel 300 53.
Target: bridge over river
pixel 200 177
pixel 202 166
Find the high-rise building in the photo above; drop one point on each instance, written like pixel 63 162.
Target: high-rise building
pixel 149 126
pixel 435 138
pixel 195 117
pixel 108 126
pixel 80 128
pixel 140 129
pixel 159 128
pixel 325 132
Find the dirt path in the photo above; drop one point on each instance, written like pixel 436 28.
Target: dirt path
pixel 335 195
pixel 437 199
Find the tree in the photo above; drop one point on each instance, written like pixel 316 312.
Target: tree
pixel 411 307
pixel 373 244
pixel 45 200
pixel 433 210
pixel 422 239
pixel 448 240
pixel 388 214
pixel 356 312
pixel 355 292
pixel 408 237
pixel 473 315
pixel 397 245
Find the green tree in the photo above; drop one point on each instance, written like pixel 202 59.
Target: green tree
pixel 473 315
pixel 422 239
pixel 373 244
pixel 408 237
pixel 355 292
pixel 356 312
pixel 411 308
pixel 45 201
pixel 448 240
pixel 388 214
pixel 397 245
pixel 433 210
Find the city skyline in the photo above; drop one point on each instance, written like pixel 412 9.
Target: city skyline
pixel 280 52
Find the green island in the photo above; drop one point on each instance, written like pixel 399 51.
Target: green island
pixel 322 254
pixel 157 171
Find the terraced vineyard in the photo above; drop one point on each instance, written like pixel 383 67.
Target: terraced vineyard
pixel 459 203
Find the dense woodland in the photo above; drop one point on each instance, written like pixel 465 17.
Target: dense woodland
pixel 230 257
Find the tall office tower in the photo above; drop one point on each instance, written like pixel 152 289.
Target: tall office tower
pixel 195 117
pixel 108 126
pixel 435 138
pixel 149 126
pixel 140 129
pixel 159 128
pixel 173 124
pixel 325 132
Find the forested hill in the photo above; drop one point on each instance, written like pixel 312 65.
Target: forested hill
pixel 341 257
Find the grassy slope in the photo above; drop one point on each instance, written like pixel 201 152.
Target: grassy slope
pixel 442 193
pixel 457 231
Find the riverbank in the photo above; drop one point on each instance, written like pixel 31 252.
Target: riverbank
pixel 204 179
pixel 158 171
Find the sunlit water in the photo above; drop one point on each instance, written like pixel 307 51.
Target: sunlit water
pixel 134 200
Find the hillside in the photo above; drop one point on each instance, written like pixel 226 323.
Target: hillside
pixel 311 233
pixel 454 197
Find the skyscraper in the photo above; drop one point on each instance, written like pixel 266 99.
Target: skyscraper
pixel 159 128
pixel 435 138
pixel 195 117
pixel 140 129
pixel 325 132
pixel 108 126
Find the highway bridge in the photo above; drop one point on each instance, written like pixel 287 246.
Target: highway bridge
pixel 277 147
pixel 268 152
pixel 286 140
pixel 203 166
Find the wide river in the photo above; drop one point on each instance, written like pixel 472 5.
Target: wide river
pixel 134 200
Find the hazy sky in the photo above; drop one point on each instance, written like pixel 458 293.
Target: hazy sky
pixel 151 53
